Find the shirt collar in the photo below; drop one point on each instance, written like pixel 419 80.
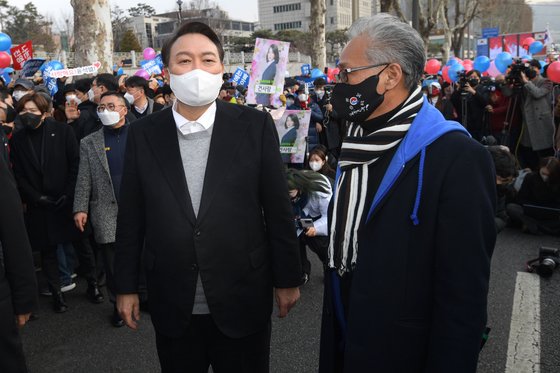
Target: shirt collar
pixel 206 120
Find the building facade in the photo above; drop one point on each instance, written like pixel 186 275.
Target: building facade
pixel 277 15
pixel 146 29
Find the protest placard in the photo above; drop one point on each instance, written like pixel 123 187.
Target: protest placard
pixel 90 69
pixel 240 77
pixel 30 67
pixel 21 54
pixel 292 127
pixel 268 70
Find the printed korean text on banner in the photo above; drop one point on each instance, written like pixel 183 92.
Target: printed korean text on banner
pixel 482 47
pixel 151 66
pixel 240 77
pixel 268 69
pixel 292 127
pixel 306 69
pixel 50 83
pixel 91 69
pixel 21 54
pixel 30 67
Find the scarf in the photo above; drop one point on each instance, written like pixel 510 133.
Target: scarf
pixel 360 149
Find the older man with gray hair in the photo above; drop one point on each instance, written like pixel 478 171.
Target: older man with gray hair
pixel 412 225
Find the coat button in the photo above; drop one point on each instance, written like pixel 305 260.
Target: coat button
pixel 197 233
pixel 194 267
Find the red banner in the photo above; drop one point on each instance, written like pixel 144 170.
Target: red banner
pixel 21 54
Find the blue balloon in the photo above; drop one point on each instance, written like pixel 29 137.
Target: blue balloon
pixel 543 64
pixel 454 71
pixel 536 47
pixel 452 61
pixel 56 65
pixel 5 42
pixel 120 71
pixel 527 57
pixel 316 73
pixel 502 61
pixel 481 63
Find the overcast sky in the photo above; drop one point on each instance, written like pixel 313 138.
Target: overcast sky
pixel 246 10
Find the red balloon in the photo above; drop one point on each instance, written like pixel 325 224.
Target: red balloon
pixel 5 60
pixel 432 66
pixel 445 74
pixel 553 72
pixel 468 66
pixel 527 42
pixel 466 60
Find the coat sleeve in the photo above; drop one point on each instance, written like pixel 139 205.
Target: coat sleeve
pixel 277 209
pixel 15 246
pixel 130 222
pixel 465 240
pixel 73 157
pixel 29 194
pixel 83 182
pixel 536 91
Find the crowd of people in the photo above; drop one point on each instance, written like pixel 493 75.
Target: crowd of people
pixel 146 183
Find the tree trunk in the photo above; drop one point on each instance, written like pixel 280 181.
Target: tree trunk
pixel 93 33
pixel 317 29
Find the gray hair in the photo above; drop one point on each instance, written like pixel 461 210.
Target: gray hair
pixel 392 41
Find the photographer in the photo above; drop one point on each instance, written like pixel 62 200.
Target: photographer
pixel 329 129
pixel 310 193
pixel 470 100
pixel 538 125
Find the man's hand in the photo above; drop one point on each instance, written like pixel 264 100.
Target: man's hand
pixel 80 219
pixel 469 89
pixel 286 299
pixel 311 232
pixel 71 111
pixel 319 127
pixel 21 320
pixel 489 108
pixel 128 306
pixel 524 77
pixel 328 107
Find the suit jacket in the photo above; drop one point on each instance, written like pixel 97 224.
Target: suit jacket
pixel 55 176
pixel 537 113
pixel 243 241
pixel 94 188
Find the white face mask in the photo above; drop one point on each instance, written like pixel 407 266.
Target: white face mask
pixel 90 95
pixel 17 95
pixel 109 118
pixel 320 94
pixel 74 98
pixel 315 165
pixel 129 98
pixel 197 87
pixel 302 97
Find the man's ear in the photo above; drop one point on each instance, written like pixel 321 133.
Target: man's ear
pixel 393 77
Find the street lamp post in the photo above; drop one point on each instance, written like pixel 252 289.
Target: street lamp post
pixel 179 2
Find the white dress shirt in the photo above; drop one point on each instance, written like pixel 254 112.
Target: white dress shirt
pixel 203 123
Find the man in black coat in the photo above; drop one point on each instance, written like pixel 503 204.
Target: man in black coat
pixel 204 201
pixel 18 286
pixel 412 223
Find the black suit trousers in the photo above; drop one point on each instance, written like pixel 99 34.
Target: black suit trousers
pixel 11 350
pixel 204 345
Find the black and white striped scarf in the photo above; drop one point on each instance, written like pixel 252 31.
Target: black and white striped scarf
pixel 358 152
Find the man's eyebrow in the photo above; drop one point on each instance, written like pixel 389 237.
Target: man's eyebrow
pixel 207 53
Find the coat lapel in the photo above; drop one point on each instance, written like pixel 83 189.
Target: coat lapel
pixel 98 142
pixel 162 136
pixel 227 135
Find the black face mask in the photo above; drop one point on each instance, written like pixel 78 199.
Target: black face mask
pixel 473 82
pixel 7 129
pixel 356 102
pixel 10 114
pixel 531 74
pixel 31 121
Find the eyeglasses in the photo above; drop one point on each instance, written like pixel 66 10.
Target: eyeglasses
pixel 110 107
pixel 342 76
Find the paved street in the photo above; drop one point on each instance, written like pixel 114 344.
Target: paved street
pixel 82 340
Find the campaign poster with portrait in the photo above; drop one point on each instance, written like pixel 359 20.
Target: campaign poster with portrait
pixel 268 69
pixel 495 46
pixel 292 127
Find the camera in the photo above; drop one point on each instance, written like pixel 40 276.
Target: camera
pixel 489 84
pixel 544 265
pixel 462 79
pixel 514 76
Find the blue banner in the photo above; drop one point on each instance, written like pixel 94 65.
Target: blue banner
pixel 490 32
pixel 50 83
pixel 482 48
pixel 151 66
pixel 31 66
pixel 306 69
pixel 240 77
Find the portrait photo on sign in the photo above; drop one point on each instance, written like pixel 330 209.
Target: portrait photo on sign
pixel 292 127
pixel 268 69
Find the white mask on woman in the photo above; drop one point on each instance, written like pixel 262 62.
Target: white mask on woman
pixel 315 165
pixel 197 87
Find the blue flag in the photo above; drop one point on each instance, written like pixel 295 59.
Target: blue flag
pixel 240 77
